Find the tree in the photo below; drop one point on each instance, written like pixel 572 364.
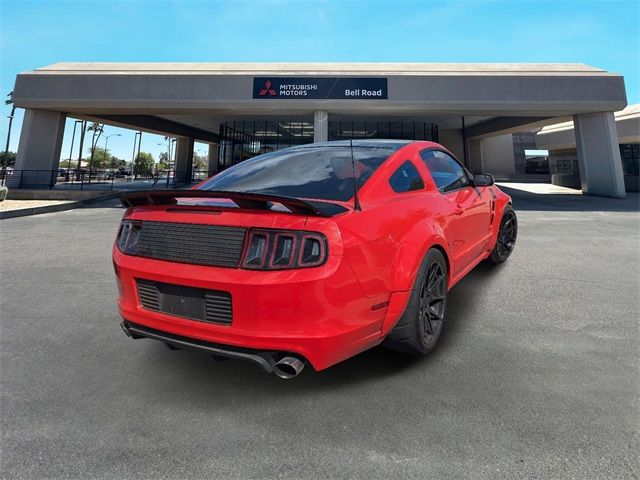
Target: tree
pixel 200 162
pixel 143 163
pixel 163 163
pixel 116 162
pixel 99 158
pixel 97 130
pixel 10 158
pixel 161 167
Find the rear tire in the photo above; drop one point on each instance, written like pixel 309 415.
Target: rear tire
pixel 507 236
pixel 419 328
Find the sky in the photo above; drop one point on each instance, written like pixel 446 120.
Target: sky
pixel 33 34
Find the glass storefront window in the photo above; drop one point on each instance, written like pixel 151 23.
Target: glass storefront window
pixel 344 130
pixel 630 154
pixel 244 139
pixel 241 140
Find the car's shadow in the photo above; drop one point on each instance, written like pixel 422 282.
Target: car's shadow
pixel 523 200
pixel 372 365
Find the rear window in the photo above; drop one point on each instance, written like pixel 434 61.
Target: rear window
pixel 324 172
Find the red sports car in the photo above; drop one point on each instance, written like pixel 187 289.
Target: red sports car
pixel 309 255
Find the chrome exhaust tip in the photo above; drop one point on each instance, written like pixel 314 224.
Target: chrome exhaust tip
pixel 288 367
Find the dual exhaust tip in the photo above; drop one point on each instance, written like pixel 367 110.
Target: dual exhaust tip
pixel 288 367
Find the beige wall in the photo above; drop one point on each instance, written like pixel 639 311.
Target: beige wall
pixel 497 155
pixel 452 140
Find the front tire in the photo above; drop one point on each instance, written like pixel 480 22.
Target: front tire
pixel 507 236
pixel 419 328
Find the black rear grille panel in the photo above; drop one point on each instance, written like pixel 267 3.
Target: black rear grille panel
pixel 210 245
pixel 212 306
pixel 148 296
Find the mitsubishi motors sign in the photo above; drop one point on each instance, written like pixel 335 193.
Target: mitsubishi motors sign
pixel 342 88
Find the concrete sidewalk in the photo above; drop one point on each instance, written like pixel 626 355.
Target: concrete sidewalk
pixel 22 203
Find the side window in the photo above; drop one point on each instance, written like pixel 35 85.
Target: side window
pixel 406 178
pixel 447 173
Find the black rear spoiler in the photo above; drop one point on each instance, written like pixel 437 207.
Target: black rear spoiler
pixel 255 201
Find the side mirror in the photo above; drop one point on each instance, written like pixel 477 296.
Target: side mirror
pixel 483 180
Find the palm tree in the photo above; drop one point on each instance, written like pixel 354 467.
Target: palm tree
pixel 97 130
pixel 9 101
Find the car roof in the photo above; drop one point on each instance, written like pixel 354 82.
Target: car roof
pixel 372 143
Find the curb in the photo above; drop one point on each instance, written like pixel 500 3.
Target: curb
pixel 24 212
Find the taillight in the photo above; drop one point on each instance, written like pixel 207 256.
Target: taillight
pixel 312 251
pixel 128 236
pixel 283 249
pixel 256 255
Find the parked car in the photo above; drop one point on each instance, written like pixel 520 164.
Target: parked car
pixel 311 254
pixel 123 172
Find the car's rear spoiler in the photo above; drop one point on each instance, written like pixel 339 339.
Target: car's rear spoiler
pixel 256 201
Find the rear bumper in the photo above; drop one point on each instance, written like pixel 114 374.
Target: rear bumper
pixel 320 314
pixel 265 359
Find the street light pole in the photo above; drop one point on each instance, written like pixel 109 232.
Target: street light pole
pixel 106 142
pixel 73 138
pixel 133 169
pixel 168 159
pixel 6 148
pixel 82 134
pixel 133 154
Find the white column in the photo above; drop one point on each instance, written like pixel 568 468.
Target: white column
pixel 39 149
pixel 320 126
pixel 599 154
pixel 212 167
pixel 184 159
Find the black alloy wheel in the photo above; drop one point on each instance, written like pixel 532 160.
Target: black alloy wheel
pixel 431 309
pixel 419 327
pixel 507 236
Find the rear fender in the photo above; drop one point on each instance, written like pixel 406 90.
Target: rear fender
pixel 405 275
pixel 410 257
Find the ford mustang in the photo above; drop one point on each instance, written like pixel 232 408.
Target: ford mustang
pixel 309 255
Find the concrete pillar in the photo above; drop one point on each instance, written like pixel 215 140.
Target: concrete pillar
pixel 320 126
pixel 212 167
pixel 38 150
pixel 184 160
pixel 599 154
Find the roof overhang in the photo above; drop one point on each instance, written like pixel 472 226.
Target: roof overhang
pixel 536 91
pixel 561 135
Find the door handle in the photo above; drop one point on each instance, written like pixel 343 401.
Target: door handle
pixel 458 211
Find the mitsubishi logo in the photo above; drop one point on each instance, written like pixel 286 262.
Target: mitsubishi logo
pixel 267 90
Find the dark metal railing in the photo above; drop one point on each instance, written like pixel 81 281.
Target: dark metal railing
pixel 63 179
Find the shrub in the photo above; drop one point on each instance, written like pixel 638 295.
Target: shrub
pixel 4 191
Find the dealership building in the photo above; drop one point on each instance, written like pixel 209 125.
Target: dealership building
pixel 244 109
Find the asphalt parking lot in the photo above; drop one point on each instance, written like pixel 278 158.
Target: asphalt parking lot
pixel 537 374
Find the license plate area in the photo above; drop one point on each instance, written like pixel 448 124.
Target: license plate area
pixel 187 302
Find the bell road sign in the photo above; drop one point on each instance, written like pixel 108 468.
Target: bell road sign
pixel 305 88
